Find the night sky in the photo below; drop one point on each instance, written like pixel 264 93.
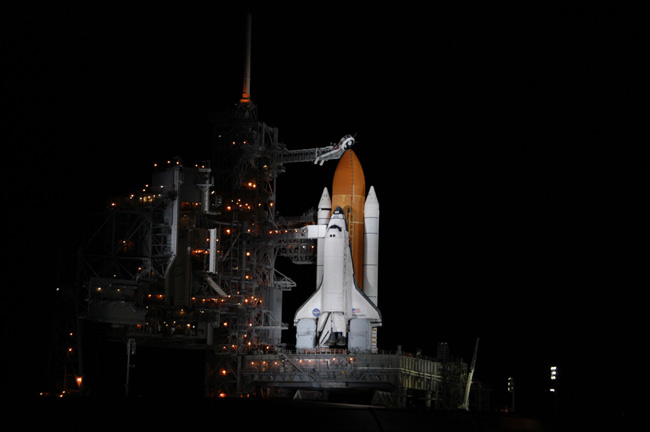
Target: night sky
pixel 503 143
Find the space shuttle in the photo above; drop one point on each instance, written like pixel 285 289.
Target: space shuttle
pixel 342 312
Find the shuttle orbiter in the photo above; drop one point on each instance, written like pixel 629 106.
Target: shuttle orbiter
pixel 340 314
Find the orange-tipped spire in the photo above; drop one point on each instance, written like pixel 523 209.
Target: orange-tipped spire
pixel 246 93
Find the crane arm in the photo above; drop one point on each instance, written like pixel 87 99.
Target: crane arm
pixel 318 155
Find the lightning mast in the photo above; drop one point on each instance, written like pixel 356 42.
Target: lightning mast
pixel 246 93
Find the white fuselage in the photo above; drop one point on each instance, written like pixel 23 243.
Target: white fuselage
pixel 324 320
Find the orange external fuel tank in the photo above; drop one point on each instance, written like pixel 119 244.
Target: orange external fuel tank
pixel 349 193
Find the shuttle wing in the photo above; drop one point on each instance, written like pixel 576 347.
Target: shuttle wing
pixel 362 306
pixel 311 308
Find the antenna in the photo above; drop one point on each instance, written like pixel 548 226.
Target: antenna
pixel 246 94
pixel 465 404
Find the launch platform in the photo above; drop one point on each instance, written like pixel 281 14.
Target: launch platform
pixel 385 379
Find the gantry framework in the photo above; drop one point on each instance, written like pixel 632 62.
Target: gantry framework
pixel 190 258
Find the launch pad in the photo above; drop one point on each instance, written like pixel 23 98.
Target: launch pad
pixel 188 263
pixel 184 265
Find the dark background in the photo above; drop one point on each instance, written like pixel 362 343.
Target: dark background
pixel 503 142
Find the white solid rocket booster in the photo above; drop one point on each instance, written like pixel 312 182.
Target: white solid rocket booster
pixel 371 246
pixel 323 217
